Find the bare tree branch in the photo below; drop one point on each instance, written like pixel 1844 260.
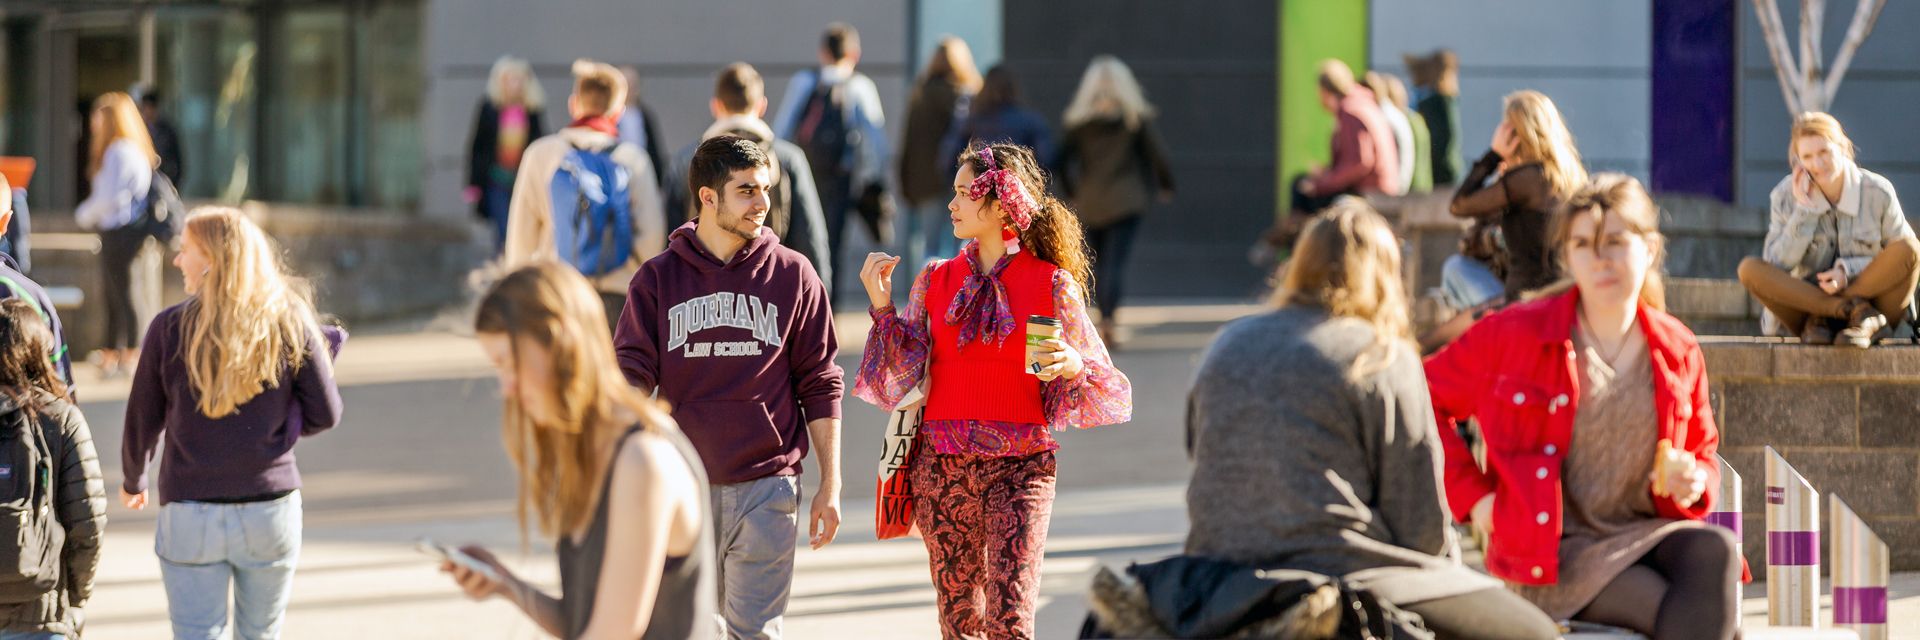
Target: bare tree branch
pixel 1865 14
pixel 1784 69
pixel 1813 14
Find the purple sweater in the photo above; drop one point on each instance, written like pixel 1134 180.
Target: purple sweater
pixel 742 351
pixel 245 454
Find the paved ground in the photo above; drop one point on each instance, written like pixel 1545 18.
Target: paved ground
pixel 419 454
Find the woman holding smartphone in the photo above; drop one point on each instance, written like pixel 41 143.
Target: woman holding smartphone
pixel 1839 253
pixel 602 470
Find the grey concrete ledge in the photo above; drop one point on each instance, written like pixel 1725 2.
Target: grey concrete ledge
pixel 1732 358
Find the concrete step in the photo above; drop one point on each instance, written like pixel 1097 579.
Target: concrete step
pixel 1713 306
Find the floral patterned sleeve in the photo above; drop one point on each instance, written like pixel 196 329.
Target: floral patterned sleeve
pixel 1102 395
pixel 895 358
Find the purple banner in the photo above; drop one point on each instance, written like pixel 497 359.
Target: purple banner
pixel 1793 548
pixel 1859 605
pixel 1729 520
pixel 1692 119
pixel 1776 495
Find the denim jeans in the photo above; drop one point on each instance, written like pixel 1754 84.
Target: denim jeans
pixel 1466 283
pixel 1112 245
pixel 496 201
pixel 30 635
pixel 757 526
pixel 205 547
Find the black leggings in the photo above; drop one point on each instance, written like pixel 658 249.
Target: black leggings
pixel 1683 588
pixel 1111 245
pixel 118 247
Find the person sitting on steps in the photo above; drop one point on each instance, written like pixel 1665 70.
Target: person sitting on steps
pixel 1838 248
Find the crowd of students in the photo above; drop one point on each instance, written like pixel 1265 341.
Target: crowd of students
pixel 664 381
pixel 1562 413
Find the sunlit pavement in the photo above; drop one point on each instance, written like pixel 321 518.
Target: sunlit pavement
pixel 419 455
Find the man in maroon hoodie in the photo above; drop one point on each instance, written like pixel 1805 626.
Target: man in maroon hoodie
pixel 1364 157
pixel 735 333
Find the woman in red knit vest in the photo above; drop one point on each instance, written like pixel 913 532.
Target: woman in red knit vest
pixel 983 479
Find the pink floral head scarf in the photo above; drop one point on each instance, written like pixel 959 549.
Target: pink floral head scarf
pixel 1014 197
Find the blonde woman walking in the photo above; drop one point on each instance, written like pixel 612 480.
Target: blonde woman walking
pixel 1112 166
pixel 120 164
pixel 230 380
pixel 509 119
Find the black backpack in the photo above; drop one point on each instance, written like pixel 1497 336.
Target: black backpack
pixel 30 557
pixel 163 215
pixel 822 130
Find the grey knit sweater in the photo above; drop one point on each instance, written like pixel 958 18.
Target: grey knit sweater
pixel 1297 467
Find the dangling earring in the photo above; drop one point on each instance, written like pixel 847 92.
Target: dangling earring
pixel 1012 239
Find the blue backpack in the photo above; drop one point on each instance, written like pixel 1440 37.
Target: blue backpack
pixel 592 214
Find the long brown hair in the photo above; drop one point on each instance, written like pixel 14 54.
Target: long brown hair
pixel 999 91
pixel 26 353
pixel 550 305
pixel 248 319
pixel 1619 195
pixel 1055 235
pixel 123 122
pixel 1347 261
pixel 952 61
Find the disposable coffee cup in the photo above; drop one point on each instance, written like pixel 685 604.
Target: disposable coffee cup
pixel 1039 329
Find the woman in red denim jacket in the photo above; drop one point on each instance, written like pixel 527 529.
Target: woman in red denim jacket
pixel 1600 440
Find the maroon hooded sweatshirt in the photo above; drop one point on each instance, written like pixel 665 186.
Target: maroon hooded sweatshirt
pixel 742 351
pixel 1364 157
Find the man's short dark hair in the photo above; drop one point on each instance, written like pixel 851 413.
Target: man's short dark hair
pixel 738 87
pixel 840 41
pixel 716 160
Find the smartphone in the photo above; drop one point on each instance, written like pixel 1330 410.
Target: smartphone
pixel 456 556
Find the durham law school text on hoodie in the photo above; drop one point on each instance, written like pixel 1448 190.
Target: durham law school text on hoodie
pixel 742 351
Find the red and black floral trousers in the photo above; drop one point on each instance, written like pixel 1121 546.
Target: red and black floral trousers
pixel 985 524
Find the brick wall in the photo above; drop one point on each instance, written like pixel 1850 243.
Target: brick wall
pixel 1845 418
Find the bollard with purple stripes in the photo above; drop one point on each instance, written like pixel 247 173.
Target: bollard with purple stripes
pixel 1860 573
pixel 1727 512
pixel 1793 546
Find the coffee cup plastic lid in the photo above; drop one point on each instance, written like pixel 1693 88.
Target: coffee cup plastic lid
pixel 1043 320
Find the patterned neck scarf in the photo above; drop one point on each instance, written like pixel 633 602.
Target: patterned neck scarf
pixel 980 307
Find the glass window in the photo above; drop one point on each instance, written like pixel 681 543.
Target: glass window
pixel 392 90
pixel 204 72
pixel 308 145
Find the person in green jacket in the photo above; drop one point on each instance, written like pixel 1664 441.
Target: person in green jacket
pixel 1436 96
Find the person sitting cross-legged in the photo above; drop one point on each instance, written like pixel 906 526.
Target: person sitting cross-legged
pixel 1839 252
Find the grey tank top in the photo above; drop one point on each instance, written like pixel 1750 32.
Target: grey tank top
pixel 685 605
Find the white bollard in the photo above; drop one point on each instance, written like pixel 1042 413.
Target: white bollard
pixel 1860 572
pixel 1726 514
pixel 1793 546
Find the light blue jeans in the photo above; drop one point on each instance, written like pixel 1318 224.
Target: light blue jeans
pixel 205 548
pixel 757 525
pixel 1466 283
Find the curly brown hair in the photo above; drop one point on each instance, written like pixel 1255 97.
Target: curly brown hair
pixel 1055 235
